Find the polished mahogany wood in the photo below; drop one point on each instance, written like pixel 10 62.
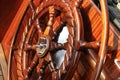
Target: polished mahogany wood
pixel 90 32
pixel 93 25
pixel 13 26
pixel 93 28
pixel 8 11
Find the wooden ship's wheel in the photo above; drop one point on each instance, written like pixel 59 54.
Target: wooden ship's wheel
pixel 45 50
pixel 50 40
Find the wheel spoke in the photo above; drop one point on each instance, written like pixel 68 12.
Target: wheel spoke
pixel 32 6
pixel 49 28
pixel 39 30
pixel 63 68
pixel 56 25
pixel 31 67
pixel 68 48
pixel 29 47
pixel 56 46
pixel 44 65
pixel 87 45
pixel 54 74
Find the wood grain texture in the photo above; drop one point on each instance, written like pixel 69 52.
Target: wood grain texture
pixel 3 64
pixel 93 25
pixel 8 10
pixel 8 37
pixel 93 29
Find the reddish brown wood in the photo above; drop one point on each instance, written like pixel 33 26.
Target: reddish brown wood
pixel 58 14
pixel 104 41
pixel 8 10
pixel 13 26
pixel 92 25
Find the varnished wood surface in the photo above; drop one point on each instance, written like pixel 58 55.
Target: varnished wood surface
pixel 9 35
pixel 8 10
pixel 93 29
pixel 27 39
pixel 93 25
pixel 3 65
pixel 92 18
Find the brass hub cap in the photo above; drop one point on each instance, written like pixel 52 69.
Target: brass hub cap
pixel 42 46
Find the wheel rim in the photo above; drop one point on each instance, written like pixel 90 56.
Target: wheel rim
pixel 39 23
pixel 30 41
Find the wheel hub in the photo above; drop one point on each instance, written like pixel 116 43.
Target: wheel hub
pixel 42 46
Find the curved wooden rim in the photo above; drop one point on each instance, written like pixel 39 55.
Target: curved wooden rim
pixel 104 41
